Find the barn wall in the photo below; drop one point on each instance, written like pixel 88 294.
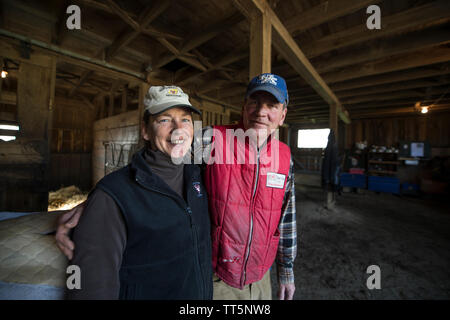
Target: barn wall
pixel 111 136
pixel 25 161
pixel 212 113
pixel 434 128
pixel 71 144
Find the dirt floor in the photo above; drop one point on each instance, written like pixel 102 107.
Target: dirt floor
pixel 407 237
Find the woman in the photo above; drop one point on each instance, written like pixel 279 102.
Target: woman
pixel 145 232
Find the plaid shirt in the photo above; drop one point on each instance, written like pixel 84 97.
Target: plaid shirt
pixel 287 247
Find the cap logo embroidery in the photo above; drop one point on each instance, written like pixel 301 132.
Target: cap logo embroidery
pixel 172 92
pixel 268 78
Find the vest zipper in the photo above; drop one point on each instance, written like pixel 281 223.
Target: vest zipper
pixel 193 231
pixel 195 237
pixel 251 219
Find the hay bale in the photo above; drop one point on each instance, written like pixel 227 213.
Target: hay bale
pixel 65 198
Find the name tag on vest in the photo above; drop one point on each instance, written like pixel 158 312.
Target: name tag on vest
pixel 275 180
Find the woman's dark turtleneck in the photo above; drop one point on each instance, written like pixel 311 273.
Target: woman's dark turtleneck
pixel 162 165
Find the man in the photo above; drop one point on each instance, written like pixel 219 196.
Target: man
pixel 252 205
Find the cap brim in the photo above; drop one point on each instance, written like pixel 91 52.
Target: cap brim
pixel 164 108
pixel 270 89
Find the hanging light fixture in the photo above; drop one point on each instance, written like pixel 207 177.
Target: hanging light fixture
pixel 419 108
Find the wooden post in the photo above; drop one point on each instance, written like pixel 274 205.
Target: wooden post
pixel 124 100
pixel 102 107
pixel 111 104
pixel 334 120
pixel 333 126
pixel 260 45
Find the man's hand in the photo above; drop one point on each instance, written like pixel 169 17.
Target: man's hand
pixel 286 291
pixel 66 222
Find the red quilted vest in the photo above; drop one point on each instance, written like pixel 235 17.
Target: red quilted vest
pixel 245 202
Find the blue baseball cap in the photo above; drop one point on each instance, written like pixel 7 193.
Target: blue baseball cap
pixel 270 83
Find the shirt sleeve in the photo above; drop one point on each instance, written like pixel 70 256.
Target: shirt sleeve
pixel 287 247
pixel 100 240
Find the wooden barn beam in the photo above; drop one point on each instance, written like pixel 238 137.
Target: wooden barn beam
pixel 147 17
pixel 68 56
pixel 288 48
pixel 393 95
pixel 260 45
pixel 399 111
pixel 396 63
pixel 375 100
pixel 230 58
pixel 394 87
pixel 96 5
pixel 398 102
pixel 211 85
pixel 324 12
pixel 120 42
pixel 429 14
pixel 386 48
pixel 378 50
pixel 392 77
pixel 84 76
pixel 123 14
pixel 140 27
pixel 196 40
pixel 405 102
pixel 414 84
pixel 60 27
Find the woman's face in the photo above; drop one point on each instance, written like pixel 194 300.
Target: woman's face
pixel 170 132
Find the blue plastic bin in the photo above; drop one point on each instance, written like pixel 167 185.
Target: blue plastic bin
pixel 353 180
pixel 384 184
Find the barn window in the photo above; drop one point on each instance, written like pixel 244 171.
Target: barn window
pixel 312 138
pixel 8 130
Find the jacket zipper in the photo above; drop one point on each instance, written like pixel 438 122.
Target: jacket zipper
pixel 193 231
pixel 251 219
pixel 195 237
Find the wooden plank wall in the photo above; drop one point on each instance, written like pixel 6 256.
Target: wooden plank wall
pixel 121 129
pixel 25 161
pixel 212 113
pixel 71 144
pixel 70 169
pixel 434 128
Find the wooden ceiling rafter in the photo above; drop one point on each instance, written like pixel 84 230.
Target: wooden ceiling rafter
pixel 288 48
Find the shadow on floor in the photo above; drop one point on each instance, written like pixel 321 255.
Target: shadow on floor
pixel 408 238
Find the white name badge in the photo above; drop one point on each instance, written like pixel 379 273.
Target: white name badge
pixel 275 180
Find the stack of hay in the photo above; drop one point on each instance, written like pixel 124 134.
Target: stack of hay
pixel 65 198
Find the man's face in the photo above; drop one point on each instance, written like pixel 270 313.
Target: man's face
pixel 170 132
pixel 263 111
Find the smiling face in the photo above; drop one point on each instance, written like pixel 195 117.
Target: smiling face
pixel 262 111
pixel 170 132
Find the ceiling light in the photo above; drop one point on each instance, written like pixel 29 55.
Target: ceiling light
pixel 424 109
